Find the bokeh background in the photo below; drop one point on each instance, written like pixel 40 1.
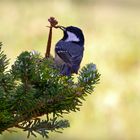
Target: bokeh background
pixel 112 33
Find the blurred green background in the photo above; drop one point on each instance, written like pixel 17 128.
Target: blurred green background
pixel 112 33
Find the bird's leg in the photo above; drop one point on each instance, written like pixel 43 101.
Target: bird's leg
pixel 62 67
pixel 69 65
pixel 66 70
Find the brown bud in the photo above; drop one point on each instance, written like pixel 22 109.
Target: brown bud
pixel 53 22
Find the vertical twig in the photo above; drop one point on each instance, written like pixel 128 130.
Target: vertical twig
pixel 48 48
pixel 53 23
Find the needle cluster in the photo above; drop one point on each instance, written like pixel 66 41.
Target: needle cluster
pixel 33 87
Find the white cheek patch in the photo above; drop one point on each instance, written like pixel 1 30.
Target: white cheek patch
pixel 72 37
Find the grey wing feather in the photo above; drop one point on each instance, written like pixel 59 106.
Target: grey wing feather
pixel 62 52
pixel 69 52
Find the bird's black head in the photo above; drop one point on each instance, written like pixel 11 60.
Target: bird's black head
pixel 73 34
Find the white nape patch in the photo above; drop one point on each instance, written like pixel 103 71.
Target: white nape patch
pixel 72 37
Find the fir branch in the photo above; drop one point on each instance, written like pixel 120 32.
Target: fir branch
pixel 3 61
pixel 43 127
pixel 33 87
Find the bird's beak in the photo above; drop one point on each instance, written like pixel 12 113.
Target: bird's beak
pixel 62 28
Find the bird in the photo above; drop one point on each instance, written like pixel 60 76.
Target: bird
pixel 69 50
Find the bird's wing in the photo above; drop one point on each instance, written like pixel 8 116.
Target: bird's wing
pixel 63 54
pixel 69 52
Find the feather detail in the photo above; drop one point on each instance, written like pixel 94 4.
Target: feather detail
pixel 71 54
